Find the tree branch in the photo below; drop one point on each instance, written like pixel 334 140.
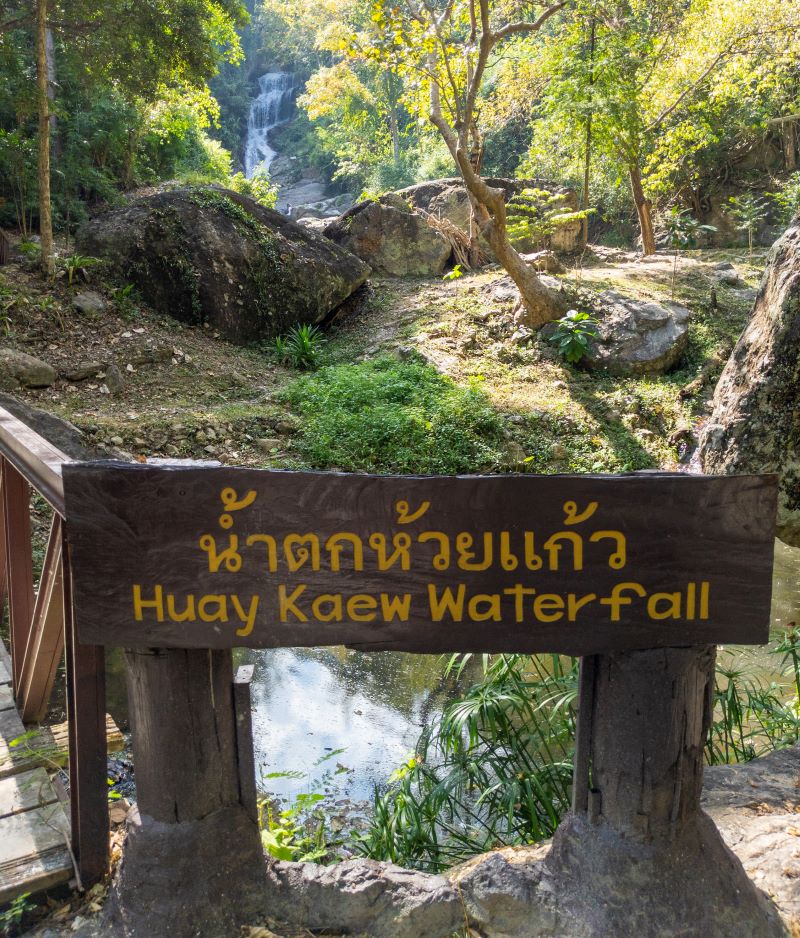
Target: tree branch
pixel 511 29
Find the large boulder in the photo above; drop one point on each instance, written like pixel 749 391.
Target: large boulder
pixel 392 238
pixel 208 255
pixel 448 199
pixel 17 369
pixel 637 337
pixel 755 423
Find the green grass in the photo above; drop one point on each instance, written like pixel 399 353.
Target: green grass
pixel 387 415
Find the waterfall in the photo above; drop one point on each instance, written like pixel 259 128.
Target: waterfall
pixel 273 106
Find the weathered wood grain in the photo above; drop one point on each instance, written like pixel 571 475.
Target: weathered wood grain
pixel 6 697
pixel 33 851
pixel 141 527
pixel 25 791
pixel 48 745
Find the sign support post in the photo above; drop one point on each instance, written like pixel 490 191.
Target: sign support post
pixel 641 857
pixel 193 854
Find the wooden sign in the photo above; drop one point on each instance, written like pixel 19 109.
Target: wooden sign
pixel 220 557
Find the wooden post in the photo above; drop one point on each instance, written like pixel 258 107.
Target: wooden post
pixel 88 770
pixel 639 852
pixel 193 850
pixel 16 504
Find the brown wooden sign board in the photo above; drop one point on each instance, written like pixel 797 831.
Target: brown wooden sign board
pixel 220 557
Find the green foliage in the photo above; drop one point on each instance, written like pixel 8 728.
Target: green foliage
pixel 301 347
pixel 12 915
pixel 386 415
pixel 535 214
pixel 495 768
pixel 258 187
pixel 301 832
pixel 749 212
pixel 787 198
pixel 298 832
pixel 572 335
pixel 455 274
pixel 76 264
pixel 684 232
pixel 751 717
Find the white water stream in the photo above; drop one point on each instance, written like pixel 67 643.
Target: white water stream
pixel 273 106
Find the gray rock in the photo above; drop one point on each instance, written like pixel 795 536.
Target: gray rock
pixel 62 434
pixel 18 369
pixel 391 238
pixel 363 897
pixel 754 424
pixel 114 379
pixel 83 370
pixel 545 261
pixel 90 303
pixel 215 257
pixel 447 198
pixel 637 337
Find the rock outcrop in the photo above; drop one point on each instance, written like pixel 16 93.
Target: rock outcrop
pixel 636 337
pixel 754 425
pixel 392 238
pixel 208 255
pixel 17 369
pixel 448 199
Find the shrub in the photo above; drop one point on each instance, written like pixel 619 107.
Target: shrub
pixel 391 416
pixel 572 335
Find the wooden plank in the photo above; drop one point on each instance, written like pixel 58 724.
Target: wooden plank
pixel 33 851
pixel 25 791
pixel 86 714
pixel 5 658
pixel 53 741
pixel 243 711
pixel 573 564
pixel 59 735
pixel 37 458
pixel 46 640
pixel 16 502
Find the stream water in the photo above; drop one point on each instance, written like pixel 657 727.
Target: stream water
pixel 273 106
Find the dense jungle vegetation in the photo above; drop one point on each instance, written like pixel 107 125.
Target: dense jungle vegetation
pixel 640 105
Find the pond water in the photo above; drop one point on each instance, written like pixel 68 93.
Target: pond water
pixel 310 703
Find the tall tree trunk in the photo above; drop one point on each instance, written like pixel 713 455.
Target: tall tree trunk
pixel 587 178
pixel 644 209
pixel 587 166
pixel 788 132
pixel 42 85
pixel 541 303
pixel 394 129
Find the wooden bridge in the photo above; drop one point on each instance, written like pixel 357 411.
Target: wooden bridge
pixel 50 831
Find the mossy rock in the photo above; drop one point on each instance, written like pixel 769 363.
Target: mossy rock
pixel 209 255
pixel 755 424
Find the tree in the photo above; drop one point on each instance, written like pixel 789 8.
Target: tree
pixel 444 50
pixel 43 101
pixel 138 49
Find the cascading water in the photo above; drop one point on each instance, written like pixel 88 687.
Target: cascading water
pixel 273 106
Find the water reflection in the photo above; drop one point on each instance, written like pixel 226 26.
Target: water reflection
pixel 310 702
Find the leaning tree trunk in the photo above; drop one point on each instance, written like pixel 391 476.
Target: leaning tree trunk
pixel 42 85
pixel 644 209
pixel 542 305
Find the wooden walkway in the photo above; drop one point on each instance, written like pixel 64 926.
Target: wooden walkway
pixel 34 826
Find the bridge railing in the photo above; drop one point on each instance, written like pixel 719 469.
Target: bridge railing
pixel 41 629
